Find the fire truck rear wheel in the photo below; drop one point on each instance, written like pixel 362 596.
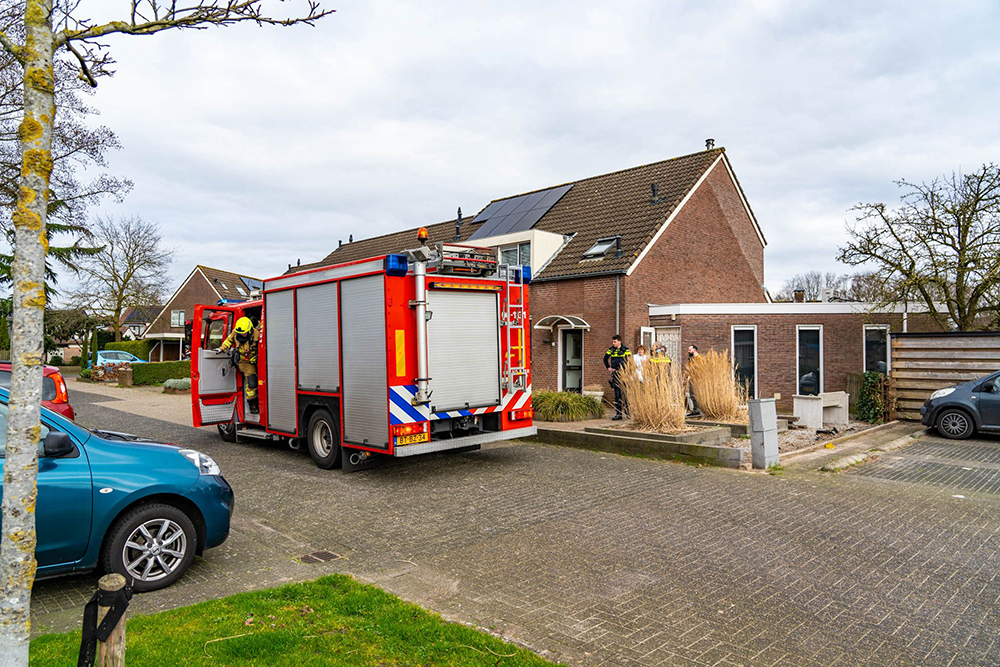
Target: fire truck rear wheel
pixel 323 438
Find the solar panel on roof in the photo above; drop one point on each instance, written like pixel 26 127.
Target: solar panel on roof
pixel 517 213
pixel 253 283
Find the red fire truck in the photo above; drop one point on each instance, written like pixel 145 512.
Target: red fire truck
pixel 394 355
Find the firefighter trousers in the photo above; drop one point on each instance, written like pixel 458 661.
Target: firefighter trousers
pixel 249 372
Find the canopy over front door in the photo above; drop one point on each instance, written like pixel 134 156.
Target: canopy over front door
pixel 551 322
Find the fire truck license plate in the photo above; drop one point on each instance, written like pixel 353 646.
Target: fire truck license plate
pixel 410 439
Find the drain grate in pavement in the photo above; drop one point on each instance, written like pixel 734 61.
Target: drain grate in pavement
pixel 959 452
pixel 933 474
pixel 319 557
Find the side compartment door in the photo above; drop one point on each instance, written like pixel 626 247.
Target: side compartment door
pixel 213 378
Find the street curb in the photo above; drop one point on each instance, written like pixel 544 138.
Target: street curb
pixel 891 446
pixel 836 441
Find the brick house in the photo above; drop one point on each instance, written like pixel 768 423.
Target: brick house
pixel 793 348
pixel 603 248
pixel 203 286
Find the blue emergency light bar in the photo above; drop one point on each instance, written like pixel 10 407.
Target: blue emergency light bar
pixel 229 302
pixel 522 274
pixel 395 265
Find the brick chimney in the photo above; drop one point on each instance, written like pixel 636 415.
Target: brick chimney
pixel 799 296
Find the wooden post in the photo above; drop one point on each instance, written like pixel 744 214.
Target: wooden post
pixel 112 652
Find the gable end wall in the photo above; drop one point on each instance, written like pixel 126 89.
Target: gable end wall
pixel 196 291
pixel 700 258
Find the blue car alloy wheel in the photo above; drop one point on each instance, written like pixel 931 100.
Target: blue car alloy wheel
pixel 153 545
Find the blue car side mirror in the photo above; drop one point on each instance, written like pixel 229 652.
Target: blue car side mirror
pixel 57 444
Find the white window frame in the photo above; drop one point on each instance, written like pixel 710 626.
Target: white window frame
pixel 822 369
pixel 514 246
pixel 652 337
pixel 732 354
pixel 173 313
pixel 864 347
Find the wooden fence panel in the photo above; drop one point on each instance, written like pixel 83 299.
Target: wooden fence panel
pixel 853 389
pixel 923 363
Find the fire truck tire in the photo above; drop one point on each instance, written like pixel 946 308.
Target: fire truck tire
pixel 323 438
pixel 228 431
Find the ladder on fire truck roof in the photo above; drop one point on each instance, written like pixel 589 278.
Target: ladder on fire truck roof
pixel 514 318
pixel 465 259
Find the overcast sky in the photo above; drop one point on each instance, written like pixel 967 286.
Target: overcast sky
pixel 255 147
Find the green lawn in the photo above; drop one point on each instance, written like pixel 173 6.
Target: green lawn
pixel 331 621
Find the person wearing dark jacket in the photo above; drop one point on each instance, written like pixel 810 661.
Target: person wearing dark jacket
pixel 614 360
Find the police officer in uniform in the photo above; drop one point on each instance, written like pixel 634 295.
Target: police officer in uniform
pixel 245 337
pixel 614 360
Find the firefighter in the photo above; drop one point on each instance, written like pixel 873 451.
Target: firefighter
pixel 614 360
pixel 245 337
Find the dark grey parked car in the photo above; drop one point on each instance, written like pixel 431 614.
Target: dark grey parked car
pixel 958 412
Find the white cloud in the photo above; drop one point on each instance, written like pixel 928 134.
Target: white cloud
pixel 254 147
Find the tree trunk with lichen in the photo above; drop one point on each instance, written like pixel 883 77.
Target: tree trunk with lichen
pixel 17 543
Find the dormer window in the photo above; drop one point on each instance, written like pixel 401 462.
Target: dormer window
pixel 602 246
pixel 516 255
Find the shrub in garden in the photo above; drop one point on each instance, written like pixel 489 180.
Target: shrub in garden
pixel 159 372
pixel 57 360
pixel 565 406
pixel 872 404
pixel 182 384
pixel 85 373
pixel 74 360
pixel 655 396
pixel 720 396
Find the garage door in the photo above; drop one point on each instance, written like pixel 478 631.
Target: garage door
pixel 463 349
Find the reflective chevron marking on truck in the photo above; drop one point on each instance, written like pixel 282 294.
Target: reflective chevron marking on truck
pixel 402 410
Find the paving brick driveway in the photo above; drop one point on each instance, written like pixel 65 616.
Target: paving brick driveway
pixel 605 560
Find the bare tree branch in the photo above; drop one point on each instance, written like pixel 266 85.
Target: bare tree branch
pixel 942 245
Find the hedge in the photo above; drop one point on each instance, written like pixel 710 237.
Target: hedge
pixel 139 348
pixel 157 373
pixel 565 406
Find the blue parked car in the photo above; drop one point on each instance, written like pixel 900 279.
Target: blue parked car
pixel 123 504
pixel 116 357
pixel 958 412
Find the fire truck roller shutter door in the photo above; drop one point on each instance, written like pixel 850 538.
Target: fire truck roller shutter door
pixel 463 349
pixel 319 341
pixel 280 386
pixel 366 402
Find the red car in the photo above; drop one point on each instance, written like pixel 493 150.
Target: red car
pixel 55 395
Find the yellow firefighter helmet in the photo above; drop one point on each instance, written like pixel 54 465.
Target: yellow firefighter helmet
pixel 244 326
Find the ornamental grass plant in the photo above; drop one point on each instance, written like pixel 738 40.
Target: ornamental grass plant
pixel 565 406
pixel 718 392
pixel 655 396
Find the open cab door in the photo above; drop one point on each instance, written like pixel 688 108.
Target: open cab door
pixel 213 377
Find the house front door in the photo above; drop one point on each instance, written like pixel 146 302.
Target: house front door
pixel 572 357
pixel 669 337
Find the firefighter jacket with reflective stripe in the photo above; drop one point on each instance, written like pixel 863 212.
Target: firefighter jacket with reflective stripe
pixel 615 357
pixel 247 350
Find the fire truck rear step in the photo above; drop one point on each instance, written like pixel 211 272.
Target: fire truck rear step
pixel 257 433
pixel 466 441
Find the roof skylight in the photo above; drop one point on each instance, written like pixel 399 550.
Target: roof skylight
pixel 601 247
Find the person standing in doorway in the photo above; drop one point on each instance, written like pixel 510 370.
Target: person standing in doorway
pixel 692 405
pixel 614 360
